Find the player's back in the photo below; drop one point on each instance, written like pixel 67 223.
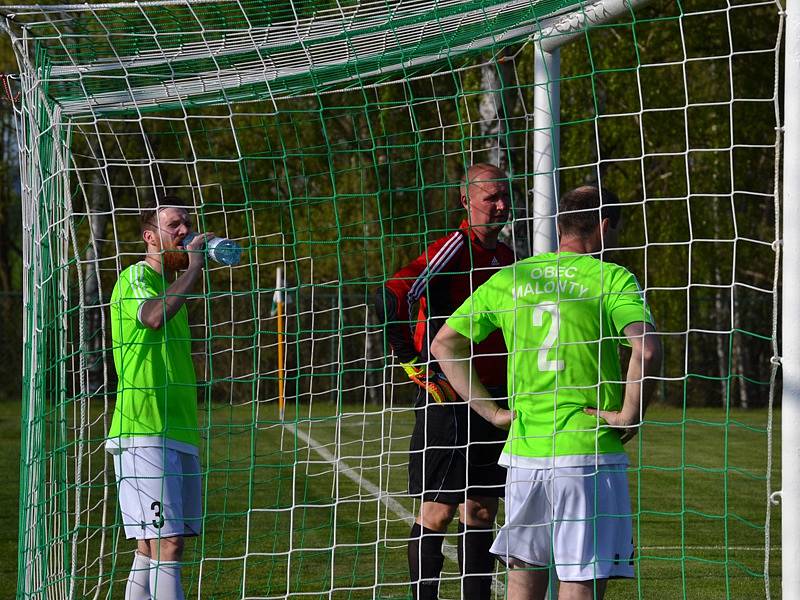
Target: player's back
pixel 559 317
pixel 562 316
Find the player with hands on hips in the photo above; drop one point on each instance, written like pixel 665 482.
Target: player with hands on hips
pixel 564 315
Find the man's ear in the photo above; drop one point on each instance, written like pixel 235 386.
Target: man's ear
pixel 148 237
pixel 464 201
pixel 602 234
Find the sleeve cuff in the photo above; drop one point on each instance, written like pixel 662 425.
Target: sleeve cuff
pixel 139 313
pixel 466 327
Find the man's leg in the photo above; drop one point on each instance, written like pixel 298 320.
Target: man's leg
pixel 133 518
pixel 187 515
pixel 525 581
pixel 138 586
pixel 166 480
pixel 165 572
pixel 425 558
pixel 475 537
pixel 582 590
pixel 592 529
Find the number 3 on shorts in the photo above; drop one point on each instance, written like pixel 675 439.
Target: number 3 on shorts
pixel 158 522
pixel 551 338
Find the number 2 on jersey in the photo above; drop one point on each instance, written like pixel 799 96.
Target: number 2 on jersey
pixel 551 338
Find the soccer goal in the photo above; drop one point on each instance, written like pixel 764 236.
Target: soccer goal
pixel 328 139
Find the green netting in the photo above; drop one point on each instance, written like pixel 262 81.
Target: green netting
pixel 257 50
pixel 339 175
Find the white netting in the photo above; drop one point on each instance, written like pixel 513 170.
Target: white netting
pixel 294 139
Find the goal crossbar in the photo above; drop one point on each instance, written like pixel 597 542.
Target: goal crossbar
pixel 276 61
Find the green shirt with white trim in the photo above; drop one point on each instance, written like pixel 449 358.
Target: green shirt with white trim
pixel 562 316
pixel 157 388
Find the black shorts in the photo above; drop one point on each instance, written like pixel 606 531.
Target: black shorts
pixel 454 452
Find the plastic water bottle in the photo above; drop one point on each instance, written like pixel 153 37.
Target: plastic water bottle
pixel 221 250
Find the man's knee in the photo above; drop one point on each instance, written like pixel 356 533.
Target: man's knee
pixel 582 590
pixel 167 549
pixel 479 511
pixel 436 515
pixel 515 563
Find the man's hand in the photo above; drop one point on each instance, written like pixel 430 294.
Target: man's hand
pixel 434 383
pixel 628 425
pixel 195 247
pixel 502 418
pixel 642 366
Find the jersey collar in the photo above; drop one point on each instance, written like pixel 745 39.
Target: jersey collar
pixel 470 233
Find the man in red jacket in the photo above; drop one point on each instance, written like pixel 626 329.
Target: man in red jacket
pixel 454 452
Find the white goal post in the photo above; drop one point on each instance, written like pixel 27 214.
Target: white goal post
pixel 790 334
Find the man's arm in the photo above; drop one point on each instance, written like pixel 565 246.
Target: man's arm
pixel 393 313
pixel 394 302
pixel 453 352
pixel 644 363
pixel 157 311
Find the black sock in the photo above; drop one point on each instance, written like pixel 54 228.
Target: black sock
pixel 475 561
pixel 425 549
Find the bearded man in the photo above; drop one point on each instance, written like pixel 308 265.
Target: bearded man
pixel 154 436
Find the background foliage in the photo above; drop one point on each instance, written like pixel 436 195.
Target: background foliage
pixel 357 184
pixel 674 111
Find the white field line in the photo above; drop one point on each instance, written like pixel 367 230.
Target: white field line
pixel 390 503
pixel 353 475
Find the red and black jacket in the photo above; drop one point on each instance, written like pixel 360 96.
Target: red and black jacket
pixel 437 283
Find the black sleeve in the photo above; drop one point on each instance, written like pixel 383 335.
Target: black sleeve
pixel 396 329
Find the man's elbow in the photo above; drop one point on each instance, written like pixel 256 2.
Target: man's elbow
pixel 386 305
pixel 449 345
pixel 155 323
pixel 437 349
pixel 443 345
pixel 651 350
pixel 151 319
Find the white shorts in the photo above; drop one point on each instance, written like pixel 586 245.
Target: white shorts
pixel 159 492
pixel 576 519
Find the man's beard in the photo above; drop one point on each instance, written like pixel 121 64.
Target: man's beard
pixel 175 259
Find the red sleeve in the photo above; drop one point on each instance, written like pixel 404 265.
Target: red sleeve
pixel 407 286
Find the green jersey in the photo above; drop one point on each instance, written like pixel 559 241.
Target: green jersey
pixel 156 392
pixel 562 317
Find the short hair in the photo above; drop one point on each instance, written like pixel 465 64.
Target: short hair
pixel 148 215
pixel 580 210
pixel 470 173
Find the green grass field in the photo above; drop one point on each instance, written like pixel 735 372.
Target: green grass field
pixel 283 521
pixel 9 495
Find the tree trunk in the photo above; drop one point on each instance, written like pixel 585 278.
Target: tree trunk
pixel 741 354
pixel 93 302
pixel 495 104
pixel 10 210
pixel 721 313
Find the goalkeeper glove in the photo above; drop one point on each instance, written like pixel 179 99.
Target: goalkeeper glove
pixel 434 383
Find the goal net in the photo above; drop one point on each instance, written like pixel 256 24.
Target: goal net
pixel 328 140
